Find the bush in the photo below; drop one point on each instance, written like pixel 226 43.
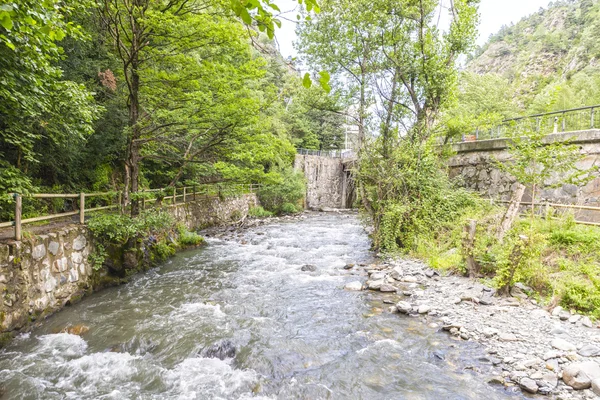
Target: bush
pixel 163 250
pixel 288 208
pixel 408 195
pixel 259 212
pixel 291 190
pixel 187 238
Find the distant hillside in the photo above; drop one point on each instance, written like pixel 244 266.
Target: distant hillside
pixel 551 59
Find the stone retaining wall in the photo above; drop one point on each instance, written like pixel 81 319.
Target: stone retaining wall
pixel 475 163
pixel 42 274
pixel 327 181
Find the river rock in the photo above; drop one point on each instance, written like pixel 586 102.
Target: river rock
pixel 376 276
pixel 507 337
pixel 348 266
pixel 404 307
pixel 575 318
pixel 589 350
pixel 355 286
pixel 528 385
pixel 517 292
pixel 557 310
pixel 563 345
pixel 375 285
pixel 596 386
pixel 564 315
pixel 580 375
pixel 409 279
pixel 221 350
pixel 587 322
pixel 308 268
pixel 386 287
pixel 397 273
pixel 424 309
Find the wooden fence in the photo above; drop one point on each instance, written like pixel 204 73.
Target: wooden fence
pixel 546 205
pixel 185 194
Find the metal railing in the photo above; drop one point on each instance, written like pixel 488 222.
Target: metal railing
pixel 342 153
pixel 574 119
pixel 160 196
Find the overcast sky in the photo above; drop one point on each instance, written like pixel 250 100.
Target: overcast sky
pixel 494 14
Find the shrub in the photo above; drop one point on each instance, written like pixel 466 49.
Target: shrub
pixel 187 238
pixel 408 195
pixel 163 250
pixel 291 190
pixel 259 212
pixel 288 208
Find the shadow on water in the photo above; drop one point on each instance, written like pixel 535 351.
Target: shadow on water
pixel 238 319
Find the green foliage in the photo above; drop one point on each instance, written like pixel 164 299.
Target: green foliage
pixel 98 256
pixel 187 238
pixel 291 189
pixel 259 212
pixel 163 250
pixel 408 195
pixel 288 208
pixel 119 229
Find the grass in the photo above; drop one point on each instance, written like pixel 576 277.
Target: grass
pixel 560 260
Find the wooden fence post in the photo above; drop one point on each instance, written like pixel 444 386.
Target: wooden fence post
pixel 82 208
pixel 143 203
pixel 184 193
pixel 194 192
pixel 469 245
pixel 174 195
pixel 18 209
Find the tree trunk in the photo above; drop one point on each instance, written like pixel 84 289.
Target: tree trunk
pixel 511 212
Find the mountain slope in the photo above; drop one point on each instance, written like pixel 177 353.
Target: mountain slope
pixel 551 59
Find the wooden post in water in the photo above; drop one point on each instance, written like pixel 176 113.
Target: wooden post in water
pixel 82 208
pixel 18 209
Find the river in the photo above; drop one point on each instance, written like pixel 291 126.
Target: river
pixel 299 335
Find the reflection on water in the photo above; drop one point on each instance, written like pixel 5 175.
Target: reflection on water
pixel 298 334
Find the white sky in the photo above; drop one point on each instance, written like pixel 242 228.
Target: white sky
pixel 494 14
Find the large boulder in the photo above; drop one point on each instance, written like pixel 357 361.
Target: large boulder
pixel 580 375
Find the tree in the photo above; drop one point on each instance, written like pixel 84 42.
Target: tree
pixel 404 68
pixel 37 107
pixel 187 66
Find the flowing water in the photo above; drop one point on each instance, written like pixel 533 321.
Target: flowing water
pixel 298 334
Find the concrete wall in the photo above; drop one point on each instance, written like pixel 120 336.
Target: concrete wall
pixel 42 274
pixel 476 164
pixel 328 182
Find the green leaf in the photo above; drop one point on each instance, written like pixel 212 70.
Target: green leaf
pixel 245 16
pixel 324 79
pixel 6 22
pixel 277 22
pixel 306 81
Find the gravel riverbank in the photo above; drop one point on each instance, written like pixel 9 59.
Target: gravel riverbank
pixel 553 353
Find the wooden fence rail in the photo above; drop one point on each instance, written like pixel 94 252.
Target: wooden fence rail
pixel 184 194
pixel 547 205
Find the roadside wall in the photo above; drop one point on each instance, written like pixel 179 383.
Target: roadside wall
pixel 476 164
pixel 42 274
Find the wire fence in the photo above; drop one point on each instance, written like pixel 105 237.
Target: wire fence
pixel 575 119
pixel 74 204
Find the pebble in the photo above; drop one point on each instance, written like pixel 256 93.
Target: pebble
pixel 354 286
pixel 563 345
pixel 532 347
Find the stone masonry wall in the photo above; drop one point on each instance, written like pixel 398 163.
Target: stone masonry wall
pixel 476 164
pixel 324 181
pixel 42 274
